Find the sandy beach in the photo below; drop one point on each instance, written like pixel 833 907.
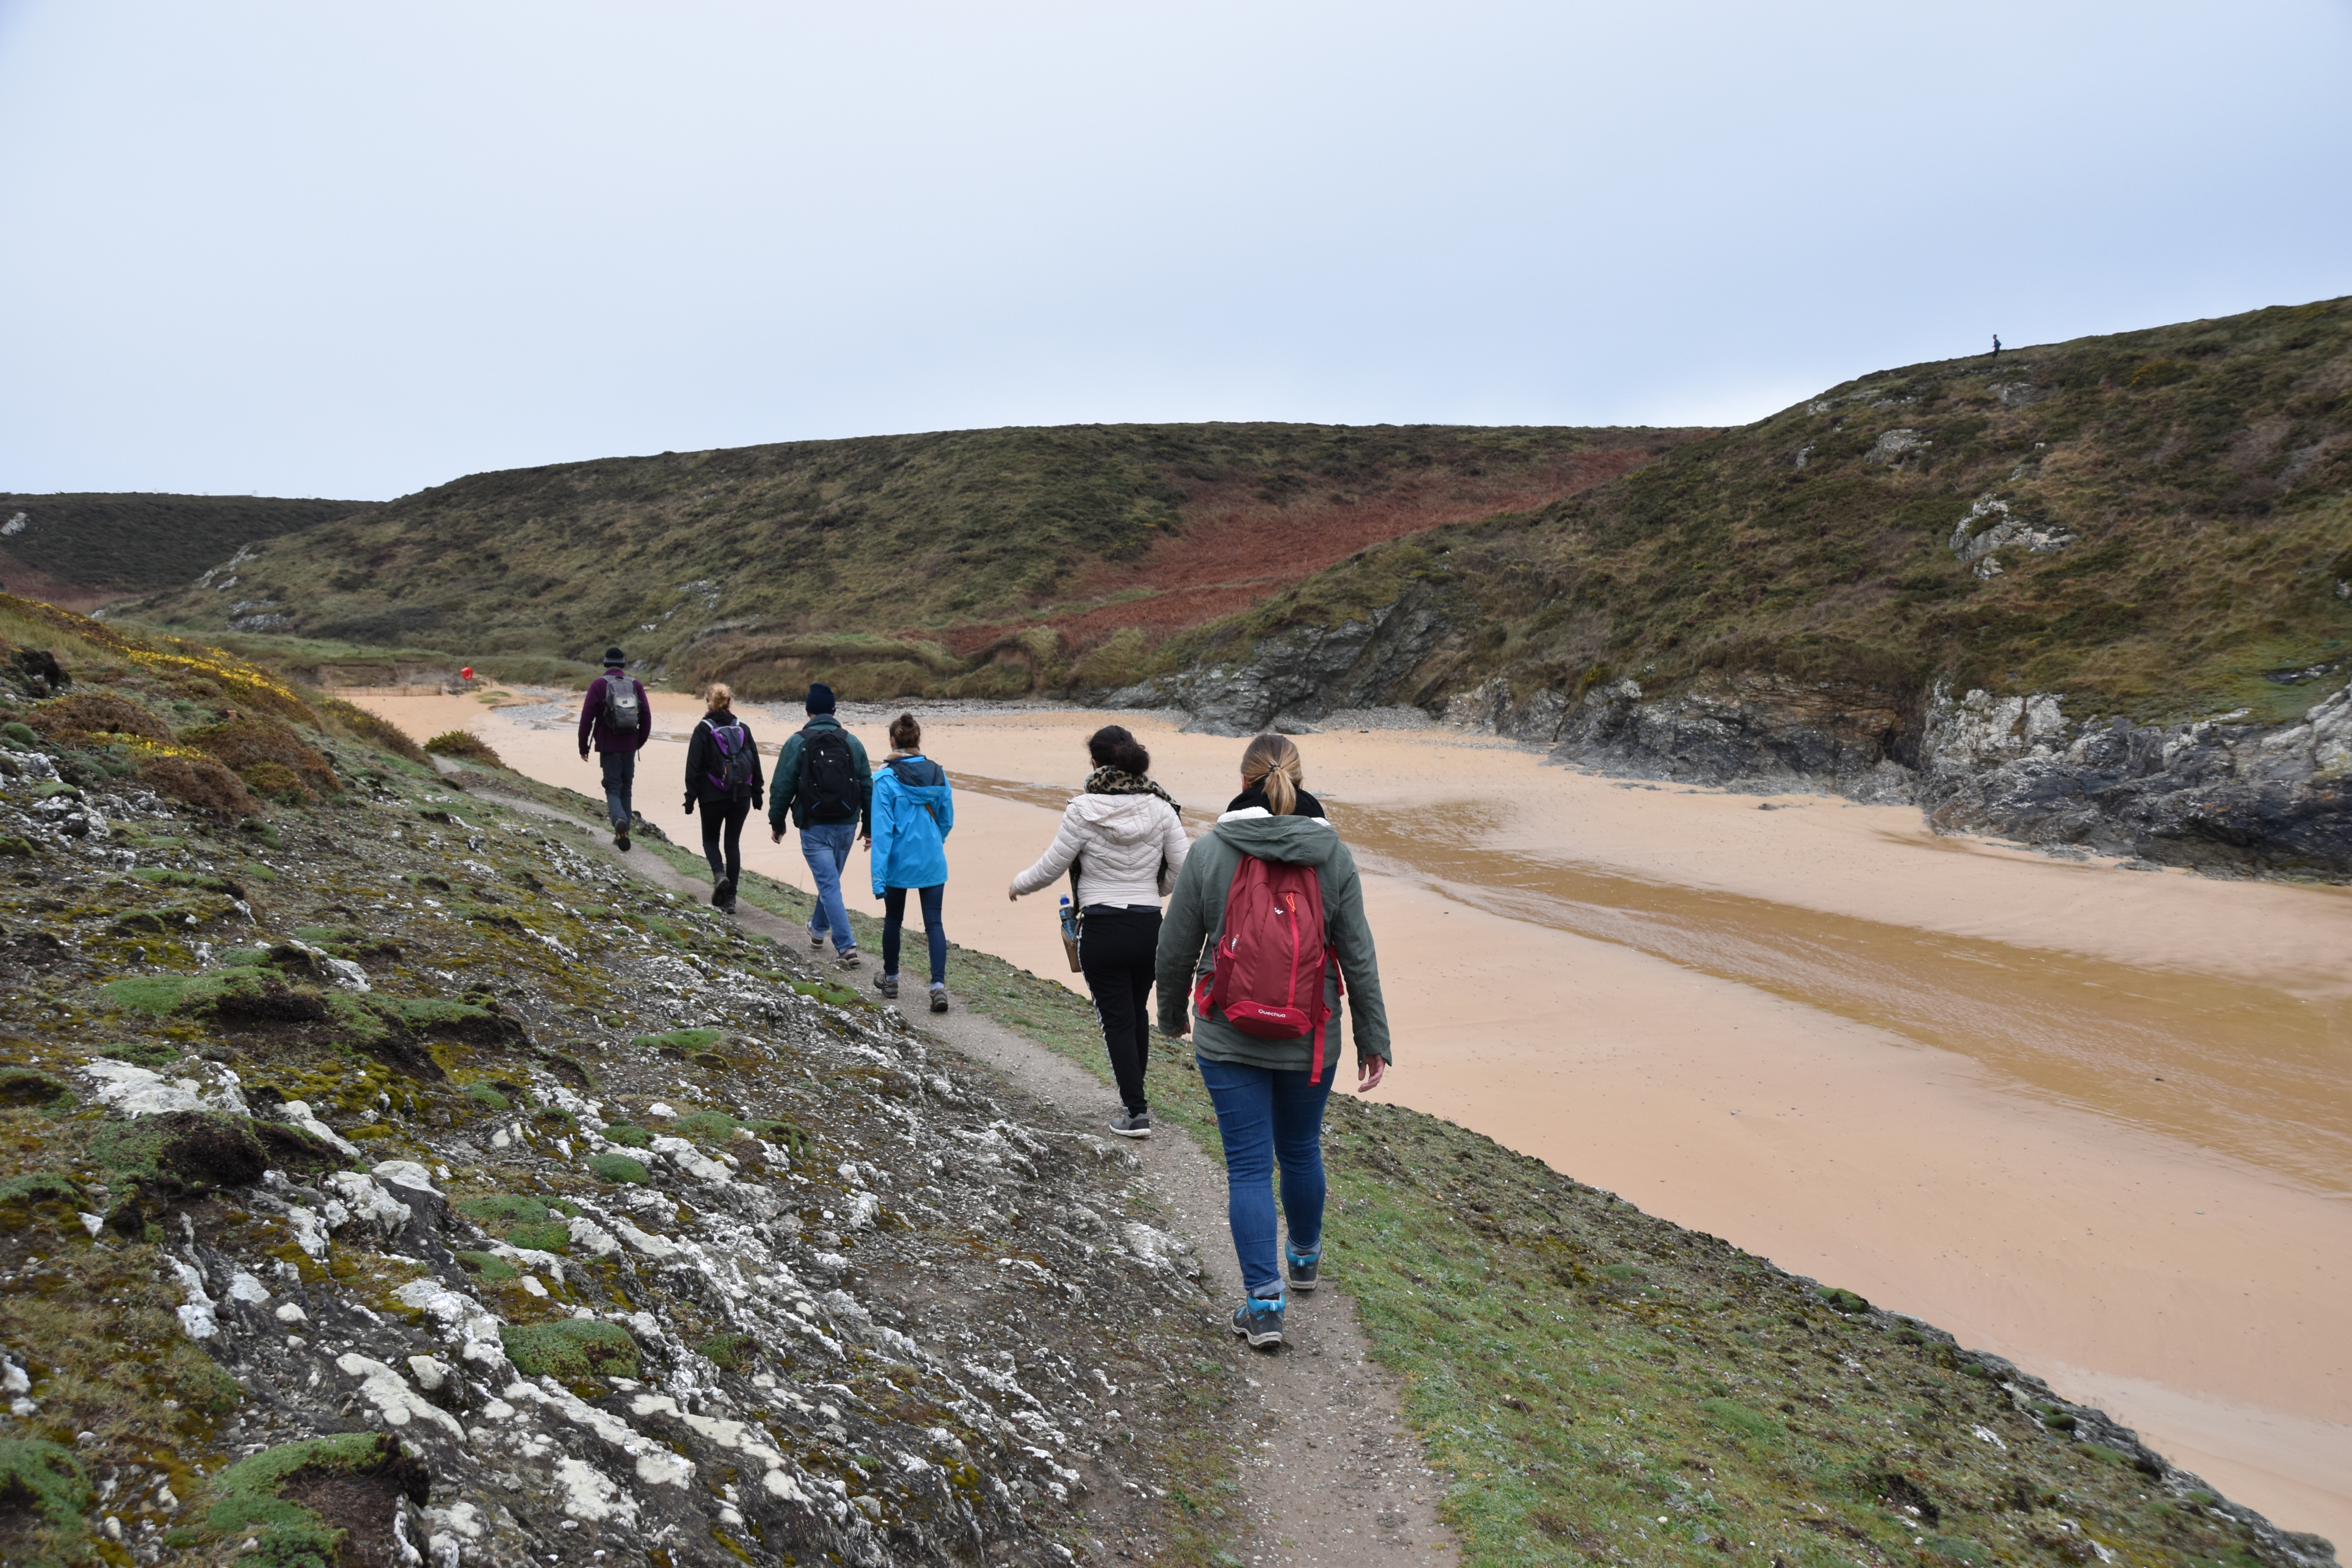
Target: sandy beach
pixel 2093 1119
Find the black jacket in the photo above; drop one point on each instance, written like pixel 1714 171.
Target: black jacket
pixel 702 760
pixel 1307 805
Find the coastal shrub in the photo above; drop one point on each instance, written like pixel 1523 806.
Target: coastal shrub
pixel 707 1126
pixel 484 1095
pixel 21 733
pixel 729 1351
pixel 488 1265
pixel 355 1476
pixel 45 1480
pixel 276 781
pixel 464 744
pixel 24 1086
pixel 627 1135
pixel 100 713
pixel 571 1350
pixel 615 1167
pixel 198 781
pixel 1842 1301
pixel 249 739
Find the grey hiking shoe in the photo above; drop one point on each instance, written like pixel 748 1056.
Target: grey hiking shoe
pixel 1302 1268
pixel 850 960
pixel 816 941
pixel 888 985
pixel 1132 1125
pixel 938 998
pixel 1259 1321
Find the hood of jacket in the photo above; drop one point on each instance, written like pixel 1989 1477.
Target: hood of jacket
pixel 1120 818
pixel 924 780
pixel 1295 840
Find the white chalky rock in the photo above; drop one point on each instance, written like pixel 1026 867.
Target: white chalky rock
pixel 309 1231
pixel 244 1287
pixel 430 1372
pixel 196 1319
pixel 692 1161
pixel 590 1496
pixel 298 1113
pixel 404 1173
pixel 656 1463
pixel 586 1232
pixel 129 1091
pixel 464 1321
pixel 291 1312
pixel 382 1212
pixel 394 1399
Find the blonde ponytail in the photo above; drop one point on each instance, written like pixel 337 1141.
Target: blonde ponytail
pixel 1272 761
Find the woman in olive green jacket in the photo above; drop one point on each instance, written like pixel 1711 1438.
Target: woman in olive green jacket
pixel 1269 1109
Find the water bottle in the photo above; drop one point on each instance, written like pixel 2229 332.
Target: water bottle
pixel 1069 917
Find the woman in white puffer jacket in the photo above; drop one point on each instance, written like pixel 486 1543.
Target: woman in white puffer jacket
pixel 1128 843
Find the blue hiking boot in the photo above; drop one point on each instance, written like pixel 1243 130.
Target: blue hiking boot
pixel 1259 1320
pixel 1302 1266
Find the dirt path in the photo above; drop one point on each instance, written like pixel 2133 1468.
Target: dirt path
pixel 1329 1473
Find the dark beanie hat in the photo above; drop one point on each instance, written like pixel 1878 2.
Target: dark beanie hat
pixel 820 697
pixel 615 656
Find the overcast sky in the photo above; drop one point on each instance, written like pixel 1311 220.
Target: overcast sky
pixel 354 249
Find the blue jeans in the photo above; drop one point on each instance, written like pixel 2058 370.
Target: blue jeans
pixel 1265 1116
pixel 894 916
pixel 825 847
pixel 620 769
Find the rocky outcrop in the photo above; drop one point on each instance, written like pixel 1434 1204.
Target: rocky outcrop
pixel 1752 731
pixel 2214 794
pixel 1292 680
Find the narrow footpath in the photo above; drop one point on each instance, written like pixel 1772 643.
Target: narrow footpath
pixel 1330 1474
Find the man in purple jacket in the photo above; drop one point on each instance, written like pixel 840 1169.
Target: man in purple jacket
pixel 619 720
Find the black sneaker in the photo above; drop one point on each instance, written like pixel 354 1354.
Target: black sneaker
pixel 938 998
pixel 727 903
pixel 719 895
pixel 888 985
pixel 621 839
pixel 1302 1269
pixel 1259 1321
pixel 1132 1125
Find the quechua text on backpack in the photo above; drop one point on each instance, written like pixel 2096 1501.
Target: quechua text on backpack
pixel 621 711
pixel 731 744
pixel 1266 973
pixel 828 781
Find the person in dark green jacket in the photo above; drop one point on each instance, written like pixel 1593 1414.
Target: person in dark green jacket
pixel 1268 1108
pixel 825 786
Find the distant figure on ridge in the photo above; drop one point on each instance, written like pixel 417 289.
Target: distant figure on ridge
pixel 1122 843
pixel 617 720
pixel 1269 913
pixel 722 776
pixel 914 812
pixel 1996 345
pixel 824 780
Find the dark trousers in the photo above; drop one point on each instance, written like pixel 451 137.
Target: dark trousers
pixel 1116 949
pixel 726 817
pixel 894 917
pixel 620 769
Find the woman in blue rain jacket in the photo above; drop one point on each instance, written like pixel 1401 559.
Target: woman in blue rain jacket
pixel 914 812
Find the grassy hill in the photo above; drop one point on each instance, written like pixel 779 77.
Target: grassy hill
pixel 2156 523
pixel 980 562
pixel 107 546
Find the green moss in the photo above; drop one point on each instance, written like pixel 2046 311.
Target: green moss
pixel 47 1481
pixel 517 1221
pixel 628 1135
pixel 488 1265
pixel 484 1095
pixel 688 1039
pixel 571 1350
pixel 615 1167
pixel 21 733
pixel 142 1052
pixel 1842 1301
pixel 729 1351
pixel 154 994
pixel 707 1126
pixel 289 1535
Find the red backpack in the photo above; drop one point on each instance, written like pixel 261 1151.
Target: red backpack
pixel 1266 974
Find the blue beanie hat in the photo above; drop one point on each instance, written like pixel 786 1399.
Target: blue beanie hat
pixel 820 697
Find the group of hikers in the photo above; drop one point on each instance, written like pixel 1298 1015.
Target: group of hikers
pixel 1263 933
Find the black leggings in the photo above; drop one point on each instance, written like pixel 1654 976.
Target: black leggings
pixel 1115 954
pixel 728 815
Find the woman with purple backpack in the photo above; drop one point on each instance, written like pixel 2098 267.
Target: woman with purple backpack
pixel 722 777
pixel 1266 923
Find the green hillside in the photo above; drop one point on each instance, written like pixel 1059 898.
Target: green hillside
pixel 2156 523
pixel 139 543
pixel 984 562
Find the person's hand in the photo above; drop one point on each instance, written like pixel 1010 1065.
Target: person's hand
pixel 1013 893
pixel 689 805
pixel 1183 1027
pixel 1369 1071
pixel 583 754
pixel 775 835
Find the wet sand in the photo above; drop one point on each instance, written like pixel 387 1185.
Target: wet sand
pixel 2092 1119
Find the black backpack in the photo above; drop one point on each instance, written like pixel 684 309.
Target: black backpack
pixel 621 710
pixel 829 782
pixel 732 745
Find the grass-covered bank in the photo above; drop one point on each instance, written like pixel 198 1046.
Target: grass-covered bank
pixel 1596 1383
